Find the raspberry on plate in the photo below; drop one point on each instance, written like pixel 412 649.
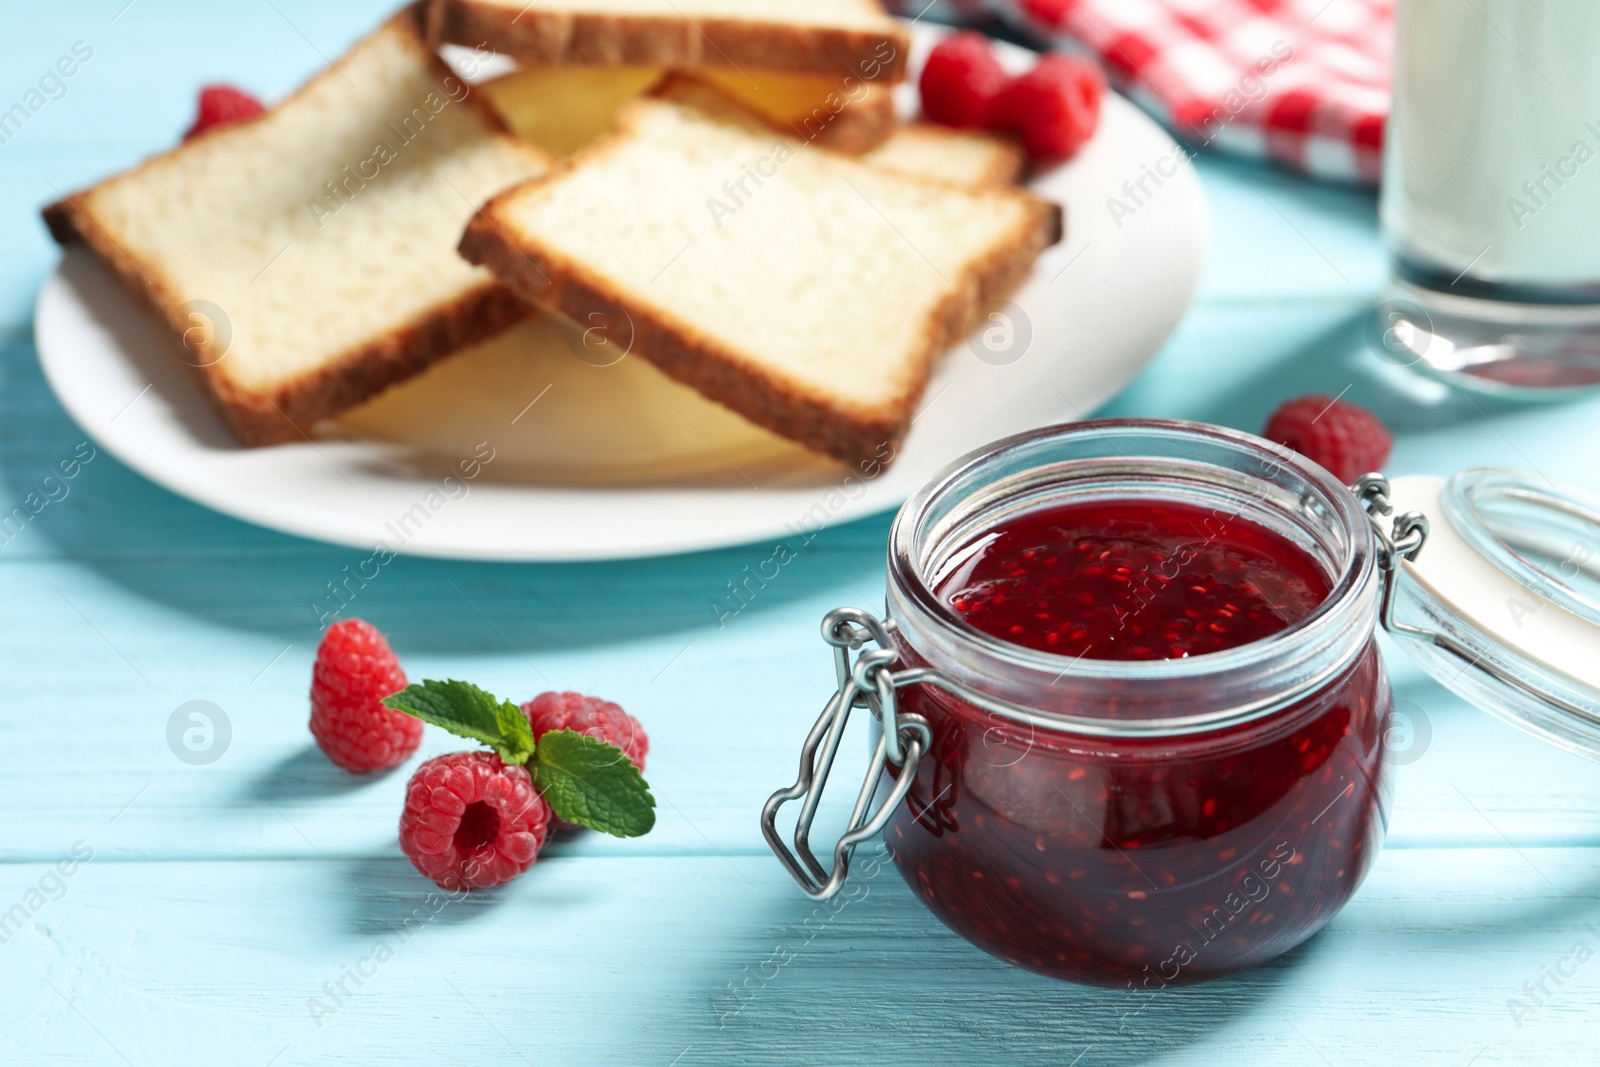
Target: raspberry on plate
pixel 223 105
pixel 355 670
pixel 591 717
pixel 471 822
pixel 1347 440
pixel 1055 107
pixel 961 81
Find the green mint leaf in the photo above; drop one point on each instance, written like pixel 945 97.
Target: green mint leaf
pixel 593 784
pixel 467 711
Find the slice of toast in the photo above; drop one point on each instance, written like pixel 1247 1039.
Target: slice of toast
pixel 835 37
pixel 806 291
pixel 564 108
pixel 305 259
pixel 940 153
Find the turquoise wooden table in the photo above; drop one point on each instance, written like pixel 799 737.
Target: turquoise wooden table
pixel 257 910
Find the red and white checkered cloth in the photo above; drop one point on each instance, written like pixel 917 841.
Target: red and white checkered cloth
pixel 1301 82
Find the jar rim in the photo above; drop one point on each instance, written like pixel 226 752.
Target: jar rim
pixel 1350 585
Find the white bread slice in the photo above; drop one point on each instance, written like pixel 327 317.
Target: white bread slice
pixel 318 240
pixel 939 153
pixel 564 108
pixel 624 423
pixel 836 37
pixel 808 292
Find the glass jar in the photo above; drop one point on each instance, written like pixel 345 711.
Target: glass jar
pixel 1160 821
pixel 1150 821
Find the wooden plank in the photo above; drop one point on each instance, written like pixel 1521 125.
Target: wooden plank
pixel 1277 236
pixel 1231 364
pixel 116 647
pixel 678 960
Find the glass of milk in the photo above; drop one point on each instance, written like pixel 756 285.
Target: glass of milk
pixel 1491 195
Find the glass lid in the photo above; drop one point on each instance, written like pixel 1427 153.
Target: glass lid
pixel 1542 534
pixel 1502 603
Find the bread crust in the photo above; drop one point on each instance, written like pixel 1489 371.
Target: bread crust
pixel 289 411
pixel 267 417
pixel 1010 163
pixel 854 436
pixel 669 41
pixel 860 127
pixel 1009 158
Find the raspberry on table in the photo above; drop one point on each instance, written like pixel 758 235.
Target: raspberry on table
pixel 961 81
pixel 1347 440
pixel 1055 107
pixel 355 670
pixel 223 105
pixel 591 717
pixel 471 821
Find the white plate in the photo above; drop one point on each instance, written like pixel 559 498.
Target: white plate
pixel 619 462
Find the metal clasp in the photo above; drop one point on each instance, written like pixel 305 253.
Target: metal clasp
pixel 867 681
pixel 1401 542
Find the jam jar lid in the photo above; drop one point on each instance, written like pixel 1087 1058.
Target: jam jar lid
pixel 1504 602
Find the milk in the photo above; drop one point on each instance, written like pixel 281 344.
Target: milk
pixel 1492 168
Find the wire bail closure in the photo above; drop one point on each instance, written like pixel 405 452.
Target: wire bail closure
pixel 1401 542
pixel 867 682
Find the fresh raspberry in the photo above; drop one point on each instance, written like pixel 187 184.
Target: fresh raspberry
pixel 471 822
pixel 223 105
pixel 961 81
pixel 1055 106
pixel 356 669
pixel 1347 440
pixel 592 717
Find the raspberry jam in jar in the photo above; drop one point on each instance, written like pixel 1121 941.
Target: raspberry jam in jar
pixel 1133 699
pixel 1131 580
pixel 1133 858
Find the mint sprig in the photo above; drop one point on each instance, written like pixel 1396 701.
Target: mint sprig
pixel 584 780
pixel 467 711
pixel 592 783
